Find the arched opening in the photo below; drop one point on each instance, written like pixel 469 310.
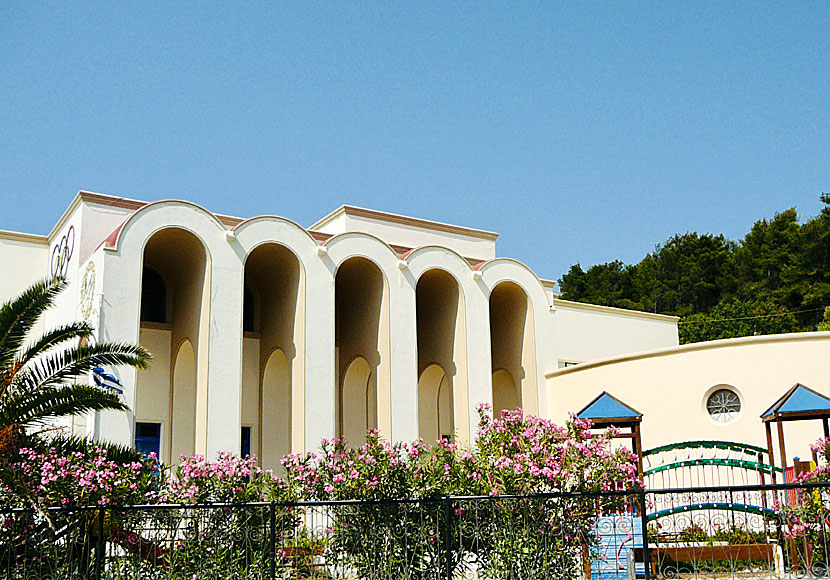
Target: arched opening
pixel 359 402
pixel 362 343
pixel 435 405
pixel 171 396
pixel 184 401
pixel 273 352
pixel 441 345
pixel 276 414
pixel 513 348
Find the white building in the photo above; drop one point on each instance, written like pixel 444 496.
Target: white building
pixel 268 336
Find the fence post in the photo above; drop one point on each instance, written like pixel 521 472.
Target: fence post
pixel 448 537
pixel 99 545
pixel 272 541
pixel 644 524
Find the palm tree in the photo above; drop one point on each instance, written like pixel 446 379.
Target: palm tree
pixel 38 374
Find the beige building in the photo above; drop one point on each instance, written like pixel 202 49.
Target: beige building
pixel 269 336
pixel 714 390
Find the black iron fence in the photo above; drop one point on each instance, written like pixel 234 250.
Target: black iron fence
pixel 727 532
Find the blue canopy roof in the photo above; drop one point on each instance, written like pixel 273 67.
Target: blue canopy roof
pixel 799 399
pixel 606 406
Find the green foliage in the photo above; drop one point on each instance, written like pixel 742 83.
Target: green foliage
pixel 734 318
pixel 37 374
pixel 824 325
pixel 780 267
pixel 37 385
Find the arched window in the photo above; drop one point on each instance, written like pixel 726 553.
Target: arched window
pixel 248 311
pixel 153 297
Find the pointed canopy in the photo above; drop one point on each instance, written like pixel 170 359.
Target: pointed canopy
pixel 606 408
pixel 799 402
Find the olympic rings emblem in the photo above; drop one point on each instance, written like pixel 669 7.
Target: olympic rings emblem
pixel 61 254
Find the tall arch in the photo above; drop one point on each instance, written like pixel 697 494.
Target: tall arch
pixel 358 401
pixel 435 405
pixel 183 407
pixel 441 328
pixel 361 336
pixel 275 435
pixel 273 351
pixel 175 268
pixel 512 347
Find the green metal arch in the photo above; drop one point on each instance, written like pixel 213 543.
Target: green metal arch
pixel 736 507
pixel 748 465
pixel 706 444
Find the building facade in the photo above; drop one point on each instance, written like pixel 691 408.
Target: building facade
pixel 714 390
pixel 268 336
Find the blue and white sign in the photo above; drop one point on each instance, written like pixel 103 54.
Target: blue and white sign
pixel 618 534
pixel 107 380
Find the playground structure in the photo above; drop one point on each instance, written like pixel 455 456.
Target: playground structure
pixel 608 411
pixel 706 464
pixel 711 511
pixel 799 403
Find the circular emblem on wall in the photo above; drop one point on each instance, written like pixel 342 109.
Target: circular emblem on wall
pixel 724 405
pixel 87 290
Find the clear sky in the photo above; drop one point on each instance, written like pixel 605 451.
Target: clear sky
pixel 582 132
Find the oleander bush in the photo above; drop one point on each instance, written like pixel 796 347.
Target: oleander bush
pixel 405 527
pixel 514 454
pixel 805 515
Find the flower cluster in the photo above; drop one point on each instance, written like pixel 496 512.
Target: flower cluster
pixel 52 478
pixel 806 510
pixel 229 479
pixel 520 453
pixel 513 454
pixel 821 473
pixel 377 469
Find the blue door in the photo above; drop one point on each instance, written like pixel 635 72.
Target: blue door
pixel 148 438
pixel 246 442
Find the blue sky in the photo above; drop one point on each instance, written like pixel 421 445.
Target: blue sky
pixel 582 132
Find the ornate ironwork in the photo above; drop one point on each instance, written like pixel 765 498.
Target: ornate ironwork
pixel 727 532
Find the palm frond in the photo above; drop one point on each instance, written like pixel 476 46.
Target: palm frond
pixel 31 407
pixel 65 444
pixel 19 315
pixel 51 339
pixel 63 366
pixel 118 353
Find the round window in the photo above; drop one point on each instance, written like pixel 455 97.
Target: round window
pixel 723 405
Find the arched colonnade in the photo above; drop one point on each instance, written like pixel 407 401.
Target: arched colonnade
pixel 267 339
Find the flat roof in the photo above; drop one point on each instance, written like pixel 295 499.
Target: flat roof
pixel 403 220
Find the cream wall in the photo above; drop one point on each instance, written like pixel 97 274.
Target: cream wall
pixel 583 332
pixel 670 387
pixel 251 403
pixel 410 232
pixel 98 221
pixel 24 259
pixel 153 399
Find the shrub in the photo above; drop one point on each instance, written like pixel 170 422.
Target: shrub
pixel 513 454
